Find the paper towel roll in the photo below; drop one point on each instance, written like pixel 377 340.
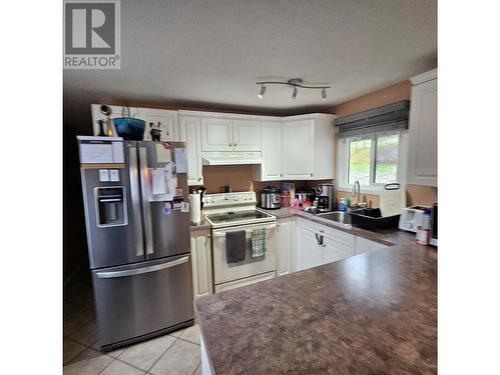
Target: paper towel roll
pixel 195 208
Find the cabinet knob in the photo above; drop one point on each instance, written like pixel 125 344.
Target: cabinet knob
pixel 235 144
pixel 312 174
pixel 199 178
pixel 281 174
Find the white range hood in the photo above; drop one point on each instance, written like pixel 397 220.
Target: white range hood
pixel 231 158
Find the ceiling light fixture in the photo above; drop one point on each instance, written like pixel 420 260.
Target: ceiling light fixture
pixel 262 92
pixel 295 83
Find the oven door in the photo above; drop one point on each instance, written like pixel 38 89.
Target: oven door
pixel 225 272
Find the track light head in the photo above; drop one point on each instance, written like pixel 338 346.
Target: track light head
pixel 262 92
pixel 323 94
pixel 294 93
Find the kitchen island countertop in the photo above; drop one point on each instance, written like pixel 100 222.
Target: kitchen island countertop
pixel 374 313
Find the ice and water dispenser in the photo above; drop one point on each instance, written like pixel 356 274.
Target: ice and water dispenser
pixel 110 206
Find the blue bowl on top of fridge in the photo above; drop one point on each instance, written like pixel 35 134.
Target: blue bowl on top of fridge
pixel 130 129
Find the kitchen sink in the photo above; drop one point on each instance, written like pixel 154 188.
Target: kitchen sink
pixel 337 216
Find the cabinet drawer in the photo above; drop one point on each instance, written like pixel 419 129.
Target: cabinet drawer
pixel 342 237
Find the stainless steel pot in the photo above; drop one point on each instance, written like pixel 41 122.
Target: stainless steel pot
pixel 270 198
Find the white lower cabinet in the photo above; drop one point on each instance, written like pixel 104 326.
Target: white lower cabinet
pixel 363 245
pixel 308 252
pixel 201 263
pixel 284 245
pixel 334 250
pixel 318 244
pixel 246 281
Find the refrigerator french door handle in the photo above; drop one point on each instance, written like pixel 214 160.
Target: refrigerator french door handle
pixel 138 271
pixel 135 199
pixel 146 205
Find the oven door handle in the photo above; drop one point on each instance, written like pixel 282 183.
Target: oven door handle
pixel 222 233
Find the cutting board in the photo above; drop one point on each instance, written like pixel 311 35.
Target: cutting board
pixel 392 202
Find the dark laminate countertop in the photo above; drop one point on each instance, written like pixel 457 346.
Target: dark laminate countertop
pixel 374 313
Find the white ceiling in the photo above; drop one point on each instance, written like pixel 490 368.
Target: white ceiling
pixel 211 52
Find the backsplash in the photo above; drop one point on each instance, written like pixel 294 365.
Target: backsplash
pixel 240 178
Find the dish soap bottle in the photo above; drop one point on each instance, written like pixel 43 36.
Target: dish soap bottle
pixel 343 205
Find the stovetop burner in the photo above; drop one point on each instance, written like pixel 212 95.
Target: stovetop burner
pixel 229 217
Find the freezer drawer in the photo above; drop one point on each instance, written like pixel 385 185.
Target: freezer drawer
pixel 138 300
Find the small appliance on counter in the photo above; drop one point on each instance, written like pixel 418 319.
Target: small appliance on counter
pixel 305 198
pixel 412 217
pixel 270 198
pixel 325 194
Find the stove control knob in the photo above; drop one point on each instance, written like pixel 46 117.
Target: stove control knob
pixel 236 199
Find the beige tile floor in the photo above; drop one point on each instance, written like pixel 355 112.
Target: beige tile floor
pixel 176 353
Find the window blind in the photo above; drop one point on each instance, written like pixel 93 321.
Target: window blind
pixel 390 117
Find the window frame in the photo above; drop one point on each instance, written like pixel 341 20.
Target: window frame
pixel 344 156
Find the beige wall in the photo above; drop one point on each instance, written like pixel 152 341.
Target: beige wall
pixel 387 95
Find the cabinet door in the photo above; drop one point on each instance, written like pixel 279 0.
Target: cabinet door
pixel 166 118
pixel 422 153
pixel 284 246
pixel 363 245
pixel 201 265
pixel 272 151
pixel 308 251
pixel 334 251
pixel 299 149
pixel 247 135
pixel 216 134
pixel 191 134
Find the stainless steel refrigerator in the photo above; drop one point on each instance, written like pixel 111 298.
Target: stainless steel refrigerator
pixel 137 220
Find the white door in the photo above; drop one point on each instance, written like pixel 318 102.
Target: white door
pixel 216 134
pixel 190 129
pixel 308 250
pixel 272 151
pixel 166 119
pixel 334 250
pixel 422 153
pixel 247 135
pixel 299 149
pixel 284 246
pixel 201 263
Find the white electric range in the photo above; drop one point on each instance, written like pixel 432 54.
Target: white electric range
pixel 228 212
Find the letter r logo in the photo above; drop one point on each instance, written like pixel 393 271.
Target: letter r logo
pixel 90 27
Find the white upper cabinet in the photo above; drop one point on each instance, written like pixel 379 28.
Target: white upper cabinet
pixel 303 149
pixel 272 152
pixel 228 134
pixel 216 134
pixel 191 134
pixel 166 118
pixel 299 154
pixel 422 152
pixel 246 135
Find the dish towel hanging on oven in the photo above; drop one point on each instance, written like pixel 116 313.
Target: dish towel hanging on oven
pixel 259 247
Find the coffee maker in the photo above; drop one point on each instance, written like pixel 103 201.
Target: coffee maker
pixel 325 193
